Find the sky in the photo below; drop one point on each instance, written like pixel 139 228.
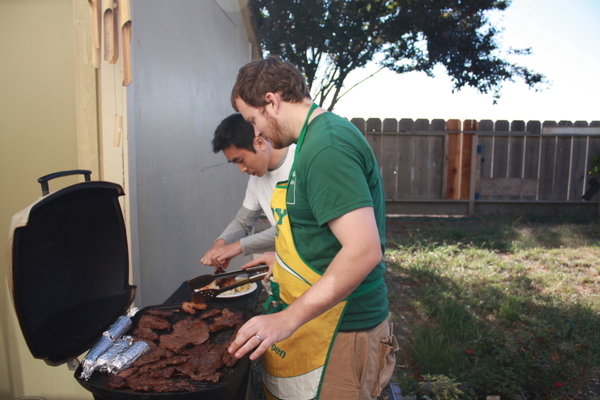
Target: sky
pixel 564 36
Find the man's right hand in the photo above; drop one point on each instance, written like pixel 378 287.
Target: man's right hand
pixel 210 258
pixel 226 253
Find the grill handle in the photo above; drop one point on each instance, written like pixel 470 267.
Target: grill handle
pixel 44 179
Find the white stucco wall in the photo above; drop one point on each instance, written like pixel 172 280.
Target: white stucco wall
pixel 186 55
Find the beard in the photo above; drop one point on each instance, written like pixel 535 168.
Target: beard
pixel 276 135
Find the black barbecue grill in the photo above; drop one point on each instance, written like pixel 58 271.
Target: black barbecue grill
pixel 69 278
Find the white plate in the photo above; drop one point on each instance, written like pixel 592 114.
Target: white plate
pixel 252 288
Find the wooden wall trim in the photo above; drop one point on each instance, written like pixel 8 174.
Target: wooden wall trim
pixel 86 93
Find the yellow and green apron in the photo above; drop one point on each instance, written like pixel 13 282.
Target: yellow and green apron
pixel 293 369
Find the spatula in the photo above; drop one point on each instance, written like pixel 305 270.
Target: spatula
pixel 202 296
pixel 203 280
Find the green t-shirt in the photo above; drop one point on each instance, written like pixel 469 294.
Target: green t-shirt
pixel 336 172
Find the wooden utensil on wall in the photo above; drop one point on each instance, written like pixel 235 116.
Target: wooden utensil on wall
pixel 110 24
pixel 111 20
pixel 125 23
pixel 96 8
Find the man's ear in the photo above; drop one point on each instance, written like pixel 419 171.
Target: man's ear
pixel 260 143
pixel 274 101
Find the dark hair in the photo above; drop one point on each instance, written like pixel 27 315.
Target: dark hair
pixel 234 131
pixel 271 74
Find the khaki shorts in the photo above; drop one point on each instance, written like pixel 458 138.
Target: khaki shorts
pixel 361 364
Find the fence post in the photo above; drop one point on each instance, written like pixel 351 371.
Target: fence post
pixel 485 154
pixel 594 124
pixel 453 159
pixel 470 156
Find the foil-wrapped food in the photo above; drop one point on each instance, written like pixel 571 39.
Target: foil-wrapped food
pixel 118 347
pixel 106 342
pixel 126 358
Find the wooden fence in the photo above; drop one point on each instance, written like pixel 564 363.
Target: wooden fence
pixel 484 167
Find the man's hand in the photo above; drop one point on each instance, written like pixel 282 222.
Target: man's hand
pixel 225 254
pixel 212 255
pixel 260 333
pixel 267 258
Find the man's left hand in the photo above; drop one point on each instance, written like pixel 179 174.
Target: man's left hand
pixel 260 333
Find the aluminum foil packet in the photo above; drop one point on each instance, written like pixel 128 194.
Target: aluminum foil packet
pixel 117 348
pixel 89 362
pixel 122 325
pixel 128 357
pixel 116 330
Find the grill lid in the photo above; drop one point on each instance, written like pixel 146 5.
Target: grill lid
pixel 69 267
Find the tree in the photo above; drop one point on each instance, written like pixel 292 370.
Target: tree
pixel 328 39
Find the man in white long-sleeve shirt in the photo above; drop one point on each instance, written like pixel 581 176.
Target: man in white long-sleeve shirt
pixel 266 166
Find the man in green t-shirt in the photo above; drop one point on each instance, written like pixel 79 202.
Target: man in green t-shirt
pixel 334 206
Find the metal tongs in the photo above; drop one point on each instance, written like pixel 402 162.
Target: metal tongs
pixel 203 280
pixel 202 296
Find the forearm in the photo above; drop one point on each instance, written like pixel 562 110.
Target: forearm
pixel 259 242
pixel 240 226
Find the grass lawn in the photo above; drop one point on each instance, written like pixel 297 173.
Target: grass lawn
pixel 509 305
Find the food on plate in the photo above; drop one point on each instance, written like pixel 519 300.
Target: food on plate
pixel 221 283
pixel 224 281
pixel 239 289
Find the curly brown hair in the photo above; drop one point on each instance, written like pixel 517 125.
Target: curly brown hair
pixel 271 74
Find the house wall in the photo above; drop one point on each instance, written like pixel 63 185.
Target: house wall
pixel 179 195
pixel 186 55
